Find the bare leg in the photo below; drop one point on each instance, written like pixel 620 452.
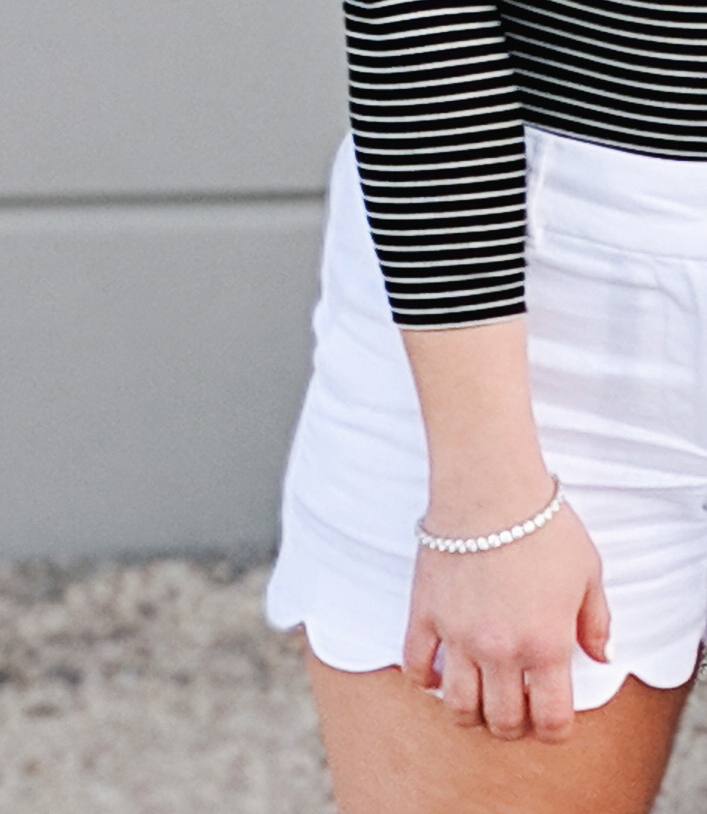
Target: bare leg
pixel 393 749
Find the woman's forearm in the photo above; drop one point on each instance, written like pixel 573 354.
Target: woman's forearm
pixel 486 468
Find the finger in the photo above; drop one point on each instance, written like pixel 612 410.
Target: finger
pixel 504 701
pixel 421 643
pixel 594 622
pixel 461 688
pixel 550 702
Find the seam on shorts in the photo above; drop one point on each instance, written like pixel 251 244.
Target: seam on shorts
pixel 625 250
pixel 534 184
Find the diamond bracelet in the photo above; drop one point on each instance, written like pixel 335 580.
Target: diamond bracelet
pixel 499 538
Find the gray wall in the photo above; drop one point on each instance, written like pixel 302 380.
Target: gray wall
pixel 161 182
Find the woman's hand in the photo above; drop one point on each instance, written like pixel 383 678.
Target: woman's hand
pixel 512 613
pixel 508 616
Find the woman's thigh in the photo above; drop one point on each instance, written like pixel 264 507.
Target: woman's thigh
pixel 394 749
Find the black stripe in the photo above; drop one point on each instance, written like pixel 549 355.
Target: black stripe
pixel 457 318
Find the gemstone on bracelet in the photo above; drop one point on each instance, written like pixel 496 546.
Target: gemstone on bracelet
pixel 517 532
pixel 505 536
pixel 555 505
pixel 482 543
pixel 528 526
pixel 539 520
pixel 494 540
pixel 471 546
pixel 548 513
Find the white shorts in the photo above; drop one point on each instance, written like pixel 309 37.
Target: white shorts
pixel 617 316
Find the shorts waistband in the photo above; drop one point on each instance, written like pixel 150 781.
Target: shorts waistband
pixel 603 194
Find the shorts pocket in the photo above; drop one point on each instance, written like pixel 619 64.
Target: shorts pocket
pixel 537 147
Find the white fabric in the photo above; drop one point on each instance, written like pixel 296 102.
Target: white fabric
pixel 617 299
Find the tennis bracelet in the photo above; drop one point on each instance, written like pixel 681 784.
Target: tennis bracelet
pixel 458 546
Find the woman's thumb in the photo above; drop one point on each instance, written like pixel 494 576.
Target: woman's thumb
pixel 593 624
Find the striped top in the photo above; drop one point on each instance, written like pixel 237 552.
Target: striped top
pixel 439 93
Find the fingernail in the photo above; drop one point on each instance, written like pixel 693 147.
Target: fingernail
pixel 609 650
pixel 436 691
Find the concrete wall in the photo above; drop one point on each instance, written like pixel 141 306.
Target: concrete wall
pixel 161 189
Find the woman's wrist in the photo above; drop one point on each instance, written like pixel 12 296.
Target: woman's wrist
pixel 486 467
pixel 491 501
pixel 501 536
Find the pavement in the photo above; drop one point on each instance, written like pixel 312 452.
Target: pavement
pixel 155 687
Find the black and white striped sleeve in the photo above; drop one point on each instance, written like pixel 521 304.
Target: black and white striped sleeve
pixel 439 143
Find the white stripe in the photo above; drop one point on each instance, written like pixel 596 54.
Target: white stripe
pixel 461 293
pixel 600 92
pixel 463 79
pixel 427 66
pixel 432 100
pixel 621 113
pixel 657 6
pixel 429 264
pixel 619 128
pixel 454 131
pixel 443 247
pixel 392 3
pixel 615 62
pixel 442 165
pixel 482 227
pixel 423 32
pixel 452 278
pixel 476 145
pixel 437 117
pixel 418 15
pixel 435 182
pixel 457 308
pixel 623 48
pixel 609 14
pixel 441 216
pixel 427 49
pixel 605 77
pixel 471 196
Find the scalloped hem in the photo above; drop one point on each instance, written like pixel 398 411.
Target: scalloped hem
pixel 594 683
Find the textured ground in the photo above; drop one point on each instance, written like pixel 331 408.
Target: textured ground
pixel 155 688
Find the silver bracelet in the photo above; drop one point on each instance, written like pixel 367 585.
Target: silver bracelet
pixel 499 538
